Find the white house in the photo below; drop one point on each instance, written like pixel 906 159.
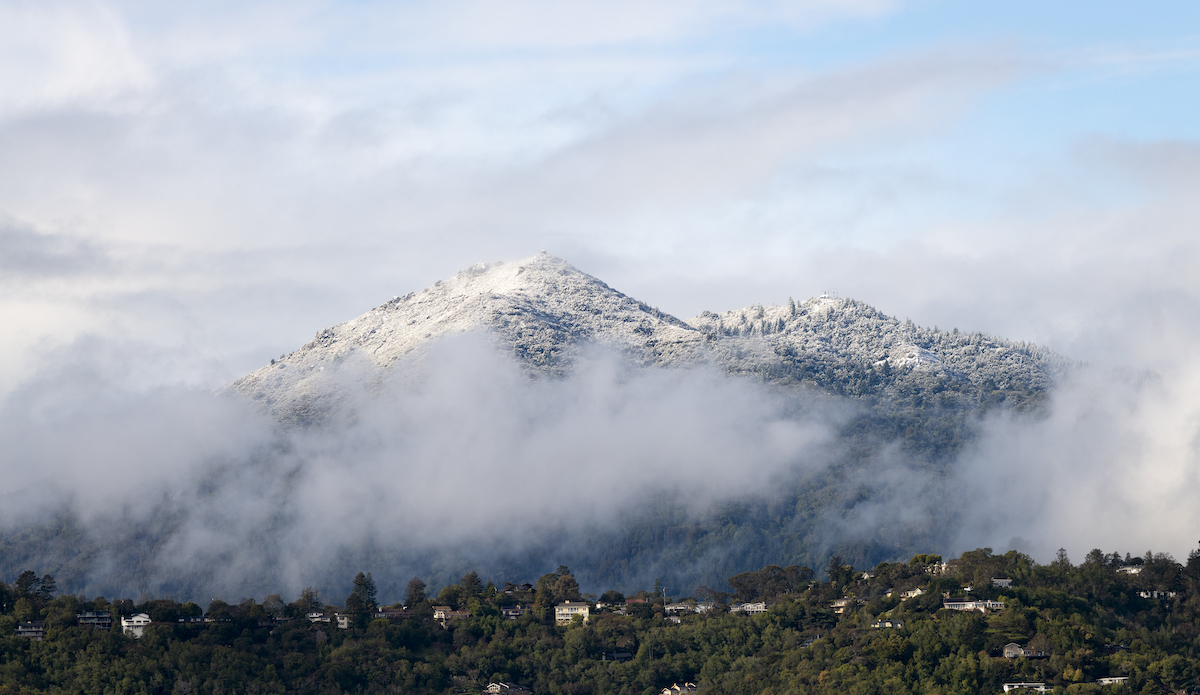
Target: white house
pixel 505 688
pixel 135 624
pixel 564 612
pixel 1130 569
pixel 1001 582
pixel 1039 687
pixel 751 608
pixel 912 593
pixel 1112 680
pixel 1156 594
pixel 981 606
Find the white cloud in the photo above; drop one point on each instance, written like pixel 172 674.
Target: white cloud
pixel 65 55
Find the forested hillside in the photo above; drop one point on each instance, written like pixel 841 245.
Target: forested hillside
pixel 1111 617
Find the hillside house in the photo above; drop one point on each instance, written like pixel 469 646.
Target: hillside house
pixel 34 630
pixel 564 612
pixel 880 624
pixel 513 612
pixel 841 605
pixel 99 620
pixel 912 593
pixel 938 570
pixel 134 625
pixel 1130 569
pixel 1001 582
pixel 981 606
pixel 1037 687
pixel 678 689
pixel 343 621
pixel 393 614
pixel 439 612
pixel 505 688
pixel 1156 594
pixel 317 617
pixel 1012 650
pixel 751 608
pixel 1113 680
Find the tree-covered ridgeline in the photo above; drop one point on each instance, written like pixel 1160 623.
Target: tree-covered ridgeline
pixel 1112 616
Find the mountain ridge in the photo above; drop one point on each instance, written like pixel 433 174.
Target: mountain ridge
pixel 544 312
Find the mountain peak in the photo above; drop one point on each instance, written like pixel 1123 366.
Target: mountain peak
pixel 542 310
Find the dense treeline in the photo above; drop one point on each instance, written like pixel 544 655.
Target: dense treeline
pixel 1089 621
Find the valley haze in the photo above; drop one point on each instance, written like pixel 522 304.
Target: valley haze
pixel 524 414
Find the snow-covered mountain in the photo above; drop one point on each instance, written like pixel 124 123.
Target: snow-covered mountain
pixel 541 310
pixel 544 312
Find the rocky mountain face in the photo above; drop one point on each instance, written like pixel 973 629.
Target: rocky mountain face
pixel 545 312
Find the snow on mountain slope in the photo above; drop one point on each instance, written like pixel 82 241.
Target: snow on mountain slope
pixel 541 309
pixel 827 330
pixel 544 312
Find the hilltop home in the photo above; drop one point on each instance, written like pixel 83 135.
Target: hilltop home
pixel 564 612
pixel 317 617
pixel 1130 569
pixel 35 630
pixel 134 625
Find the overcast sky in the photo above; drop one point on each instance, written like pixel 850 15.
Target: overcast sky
pixel 201 187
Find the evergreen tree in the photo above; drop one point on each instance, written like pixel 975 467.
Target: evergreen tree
pixel 27 584
pixel 472 586
pixel 415 593
pixel 364 589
